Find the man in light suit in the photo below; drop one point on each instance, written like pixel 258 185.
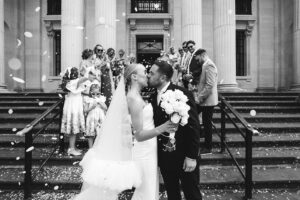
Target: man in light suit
pixel 207 95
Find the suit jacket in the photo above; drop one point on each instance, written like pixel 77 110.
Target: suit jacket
pixel 207 87
pixel 187 137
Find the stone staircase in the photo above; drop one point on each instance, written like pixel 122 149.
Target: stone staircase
pixel 276 150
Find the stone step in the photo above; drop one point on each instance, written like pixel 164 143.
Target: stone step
pixel 263 103
pixel 264 128
pixel 260 98
pixel 265 109
pixel 261 155
pixel 25 109
pixel 233 140
pixel 235 194
pixel 18 103
pixel 211 177
pixel 260 93
pixel 261 117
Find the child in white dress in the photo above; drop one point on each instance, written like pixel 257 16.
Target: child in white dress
pixel 73 121
pixel 94 108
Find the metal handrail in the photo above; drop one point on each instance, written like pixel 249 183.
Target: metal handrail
pixel 247 135
pixel 27 132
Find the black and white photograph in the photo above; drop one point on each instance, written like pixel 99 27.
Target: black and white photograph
pixel 149 99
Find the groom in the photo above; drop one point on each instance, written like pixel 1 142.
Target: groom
pixel 179 164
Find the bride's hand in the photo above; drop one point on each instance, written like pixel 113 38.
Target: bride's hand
pixel 169 127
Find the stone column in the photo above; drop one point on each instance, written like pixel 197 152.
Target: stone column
pixel 71 33
pixel 2 65
pixel 224 43
pixel 105 23
pixel 192 21
pixel 296 71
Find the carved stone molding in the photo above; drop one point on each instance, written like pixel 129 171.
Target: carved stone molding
pixel 49 28
pixel 52 23
pixel 166 24
pixel 132 24
pixel 250 27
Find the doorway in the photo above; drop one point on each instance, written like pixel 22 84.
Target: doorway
pixel 148 48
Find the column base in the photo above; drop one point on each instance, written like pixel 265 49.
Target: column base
pixel 230 88
pixel 3 88
pixel 295 87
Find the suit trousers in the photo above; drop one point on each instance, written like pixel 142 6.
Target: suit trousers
pixel 174 177
pixel 207 114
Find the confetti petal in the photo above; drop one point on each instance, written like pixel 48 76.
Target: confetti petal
pixel 44 53
pixel 19 80
pixel 252 113
pixel 10 111
pixel 56 187
pixel 19 42
pixel 54 138
pixel 41 103
pixel 44 78
pixel 60 96
pixel 14 64
pixel 18 158
pixel 37 9
pixel 14 129
pixel 30 149
pixel 101 20
pixel 28 34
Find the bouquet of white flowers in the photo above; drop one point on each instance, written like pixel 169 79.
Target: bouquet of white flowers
pixel 174 103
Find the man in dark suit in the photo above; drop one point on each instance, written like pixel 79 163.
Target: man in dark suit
pixel 180 164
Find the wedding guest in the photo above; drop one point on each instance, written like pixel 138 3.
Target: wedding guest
pixel 73 121
pixel 107 86
pixel 207 96
pixel 173 58
pixel 94 108
pixel 86 63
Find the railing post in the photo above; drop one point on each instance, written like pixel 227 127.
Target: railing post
pixel 28 166
pixel 223 122
pixel 61 135
pixel 248 181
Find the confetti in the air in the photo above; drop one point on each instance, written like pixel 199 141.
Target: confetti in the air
pixel 19 42
pixel 14 63
pixel 44 78
pixel 80 27
pixel 252 113
pixel 123 14
pixel 44 53
pixel 28 34
pixel 56 187
pixel 156 6
pixel 12 143
pixel 37 9
pixel 54 138
pixel 221 81
pixel 10 111
pixel 18 158
pixel 60 96
pixel 30 149
pixel 101 20
pixel 135 8
pixel 41 103
pixel 19 80
pixel 14 129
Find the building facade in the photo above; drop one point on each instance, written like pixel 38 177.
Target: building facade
pixel 254 43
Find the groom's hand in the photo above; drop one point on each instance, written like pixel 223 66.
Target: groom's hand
pixel 189 164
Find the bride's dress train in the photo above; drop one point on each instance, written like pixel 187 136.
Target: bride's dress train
pixel 108 167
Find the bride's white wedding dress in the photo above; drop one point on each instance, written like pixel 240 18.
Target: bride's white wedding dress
pixel 145 154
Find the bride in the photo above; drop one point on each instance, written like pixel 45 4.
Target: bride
pixel 114 164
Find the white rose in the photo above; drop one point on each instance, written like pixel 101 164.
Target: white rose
pixel 184 98
pixel 163 104
pixel 184 121
pixel 169 109
pixel 178 94
pixel 175 118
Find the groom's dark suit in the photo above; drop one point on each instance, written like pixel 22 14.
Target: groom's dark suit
pixel 187 145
